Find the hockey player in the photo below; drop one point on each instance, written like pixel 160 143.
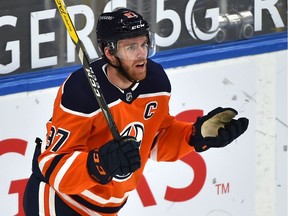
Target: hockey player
pixel 80 169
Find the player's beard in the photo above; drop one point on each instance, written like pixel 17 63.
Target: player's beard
pixel 136 70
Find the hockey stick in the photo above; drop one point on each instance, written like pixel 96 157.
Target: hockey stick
pixel 87 69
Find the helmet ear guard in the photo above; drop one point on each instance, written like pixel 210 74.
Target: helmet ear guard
pixel 111 45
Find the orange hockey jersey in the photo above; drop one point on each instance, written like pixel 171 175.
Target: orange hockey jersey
pixel 78 126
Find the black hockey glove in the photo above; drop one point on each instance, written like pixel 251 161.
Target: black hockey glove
pixel 217 129
pixel 113 159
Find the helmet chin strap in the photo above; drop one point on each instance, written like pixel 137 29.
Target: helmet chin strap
pixel 121 70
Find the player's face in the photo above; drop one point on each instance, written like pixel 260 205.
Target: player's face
pixel 133 54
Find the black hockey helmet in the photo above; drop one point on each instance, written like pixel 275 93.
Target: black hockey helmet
pixel 122 23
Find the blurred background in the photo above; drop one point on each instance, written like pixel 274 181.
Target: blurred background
pixel 215 52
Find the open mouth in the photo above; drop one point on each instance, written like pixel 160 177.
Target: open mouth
pixel 140 65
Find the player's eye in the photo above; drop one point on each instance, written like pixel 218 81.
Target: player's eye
pixel 144 45
pixel 131 47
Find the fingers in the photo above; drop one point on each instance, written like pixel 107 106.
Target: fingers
pixel 237 127
pixel 233 130
pixel 116 158
pixel 129 145
pixel 244 123
pixel 130 150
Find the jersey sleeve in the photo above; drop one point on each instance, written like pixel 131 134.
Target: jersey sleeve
pixel 63 162
pixel 171 142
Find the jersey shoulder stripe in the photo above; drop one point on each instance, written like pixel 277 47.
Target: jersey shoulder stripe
pixel 78 97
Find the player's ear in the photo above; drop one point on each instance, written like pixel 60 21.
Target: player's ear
pixel 109 55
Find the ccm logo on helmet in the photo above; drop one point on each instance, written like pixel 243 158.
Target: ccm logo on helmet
pixel 137 26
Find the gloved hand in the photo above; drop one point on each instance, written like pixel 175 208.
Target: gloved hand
pixel 114 158
pixel 217 129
